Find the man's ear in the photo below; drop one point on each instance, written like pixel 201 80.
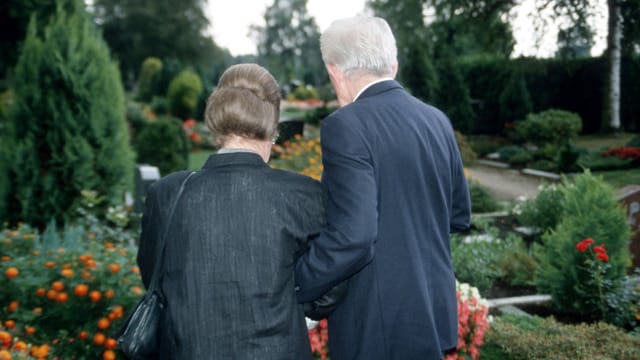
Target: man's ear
pixel 333 71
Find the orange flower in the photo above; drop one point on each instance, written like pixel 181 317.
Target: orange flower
pixel 37 310
pixel 109 293
pixel 30 330
pixel 82 335
pixel 5 338
pixel 13 306
pixel 103 323
pixel 20 346
pixel 57 285
pixel 5 258
pixel 136 290
pixel 41 292
pixel 114 268
pixel 11 272
pixel 109 245
pixel 95 295
pixel 135 270
pixel 66 273
pixel 110 343
pixel 108 355
pixel 62 297
pixel 50 264
pixel 5 355
pixel 40 352
pixel 81 290
pixel 99 338
pixel 9 324
pixel 52 294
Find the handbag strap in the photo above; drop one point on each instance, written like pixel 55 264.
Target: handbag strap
pixel 155 277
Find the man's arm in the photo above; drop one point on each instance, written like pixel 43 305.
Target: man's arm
pixel 461 202
pixel 346 244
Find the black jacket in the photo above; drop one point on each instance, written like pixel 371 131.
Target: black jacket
pixel 228 270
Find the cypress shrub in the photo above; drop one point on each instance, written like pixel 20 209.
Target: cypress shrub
pixel 149 78
pixel 68 118
pixel 163 143
pixel 589 210
pixel 184 92
pixel 5 151
pixel 515 101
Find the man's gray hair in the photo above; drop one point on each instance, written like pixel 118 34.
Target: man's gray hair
pixel 360 44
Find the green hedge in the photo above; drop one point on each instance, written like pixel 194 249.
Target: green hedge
pixel 572 85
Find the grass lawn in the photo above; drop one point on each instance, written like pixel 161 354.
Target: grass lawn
pixel 600 141
pixel 621 178
pixel 198 158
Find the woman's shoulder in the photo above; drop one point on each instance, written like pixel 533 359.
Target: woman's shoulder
pixel 294 179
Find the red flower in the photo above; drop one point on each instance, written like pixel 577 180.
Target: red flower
pixel 599 249
pixel 602 256
pixel 583 245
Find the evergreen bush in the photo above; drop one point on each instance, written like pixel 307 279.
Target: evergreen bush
pixel 536 338
pixel 6 146
pixel 544 211
pixel 68 120
pixel 590 209
pixel 148 79
pixel 553 126
pixel 515 101
pixel 163 143
pixel 183 94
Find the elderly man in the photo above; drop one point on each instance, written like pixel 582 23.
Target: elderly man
pixel 395 189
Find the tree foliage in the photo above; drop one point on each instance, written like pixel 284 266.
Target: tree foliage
pixel 470 28
pixel 184 93
pixel 14 19
pixel 288 43
pixel 67 121
pixel 169 30
pixel 415 69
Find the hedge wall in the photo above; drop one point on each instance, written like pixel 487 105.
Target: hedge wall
pixel 572 85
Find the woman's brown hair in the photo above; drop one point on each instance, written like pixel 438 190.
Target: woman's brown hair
pixel 246 103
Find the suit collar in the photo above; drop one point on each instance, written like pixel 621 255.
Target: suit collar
pixel 235 158
pixel 378 88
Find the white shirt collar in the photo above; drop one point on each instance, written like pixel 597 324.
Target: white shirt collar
pixel 369 85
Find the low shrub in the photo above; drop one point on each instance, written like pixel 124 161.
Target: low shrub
pixel 163 143
pixel 515 155
pixel 479 258
pixel 550 126
pixel 531 338
pixel 544 211
pixel 481 200
pixel 484 145
pixel 590 209
pixel 63 294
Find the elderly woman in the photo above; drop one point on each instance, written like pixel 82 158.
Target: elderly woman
pixel 237 229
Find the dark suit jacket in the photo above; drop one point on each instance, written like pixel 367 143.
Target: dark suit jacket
pixel 228 268
pixel 395 189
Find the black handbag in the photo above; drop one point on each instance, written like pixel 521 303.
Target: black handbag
pixel 138 336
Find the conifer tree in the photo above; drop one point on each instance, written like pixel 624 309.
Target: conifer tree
pixel 68 121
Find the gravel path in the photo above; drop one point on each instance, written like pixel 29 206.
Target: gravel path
pixel 506 184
